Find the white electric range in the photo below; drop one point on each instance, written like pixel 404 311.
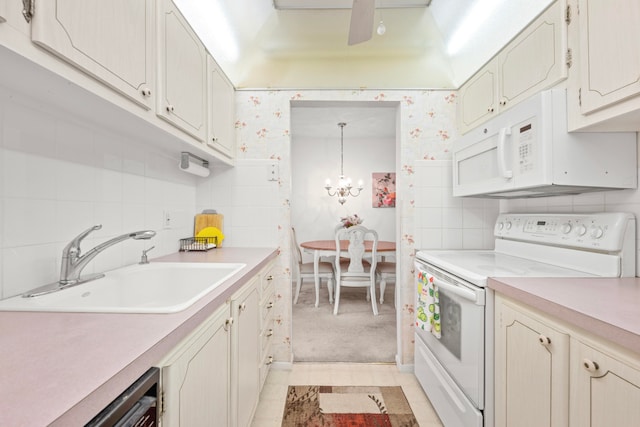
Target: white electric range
pixel 454 348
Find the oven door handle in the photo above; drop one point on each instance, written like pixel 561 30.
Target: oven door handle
pixel 468 294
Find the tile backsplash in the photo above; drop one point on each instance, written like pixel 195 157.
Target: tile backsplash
pixel 60 175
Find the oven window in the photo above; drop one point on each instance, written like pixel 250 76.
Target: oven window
pixel 451 324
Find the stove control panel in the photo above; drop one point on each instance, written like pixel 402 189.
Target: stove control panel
pixel 605 231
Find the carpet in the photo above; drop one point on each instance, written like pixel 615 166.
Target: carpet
pixel 347 406
pixel 355 335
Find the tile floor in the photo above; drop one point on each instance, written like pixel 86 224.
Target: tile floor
pixel 272 398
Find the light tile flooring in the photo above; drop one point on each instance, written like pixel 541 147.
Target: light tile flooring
pixel 274 393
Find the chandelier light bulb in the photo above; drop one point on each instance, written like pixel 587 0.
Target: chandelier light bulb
pixel 381 28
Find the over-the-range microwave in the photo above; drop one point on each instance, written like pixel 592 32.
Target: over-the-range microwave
pixel 526 151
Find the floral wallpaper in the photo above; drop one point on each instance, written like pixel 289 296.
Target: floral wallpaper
pixel 427 127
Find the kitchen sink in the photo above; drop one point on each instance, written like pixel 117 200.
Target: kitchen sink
pixel 162 287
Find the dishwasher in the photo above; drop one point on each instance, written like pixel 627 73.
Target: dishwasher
pixel 137 406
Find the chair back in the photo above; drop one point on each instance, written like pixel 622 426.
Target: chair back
pixel 356 267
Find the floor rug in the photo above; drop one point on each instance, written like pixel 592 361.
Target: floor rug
pixel 347 406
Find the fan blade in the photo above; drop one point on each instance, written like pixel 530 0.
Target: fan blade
pixel 361 27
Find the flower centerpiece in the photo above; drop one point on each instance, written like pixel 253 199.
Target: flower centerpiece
pixel 351 220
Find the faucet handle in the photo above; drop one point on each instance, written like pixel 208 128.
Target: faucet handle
pixel 74 244
pixel 143 258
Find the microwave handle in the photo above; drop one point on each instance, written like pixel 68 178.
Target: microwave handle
pixel 502 159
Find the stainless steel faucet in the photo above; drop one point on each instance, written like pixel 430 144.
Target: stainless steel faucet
pixel 73 262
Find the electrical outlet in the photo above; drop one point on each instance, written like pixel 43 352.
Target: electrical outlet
pixel 166 219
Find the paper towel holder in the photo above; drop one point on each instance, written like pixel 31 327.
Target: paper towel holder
pixel 187 165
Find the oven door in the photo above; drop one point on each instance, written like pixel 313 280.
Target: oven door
pixel 460 347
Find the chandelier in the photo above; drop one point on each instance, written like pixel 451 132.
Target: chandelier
pixel 344 188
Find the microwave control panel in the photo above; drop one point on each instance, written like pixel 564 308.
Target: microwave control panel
pixel 526 147
pixel 601 231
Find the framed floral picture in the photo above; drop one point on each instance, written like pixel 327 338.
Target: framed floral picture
pixel 384 189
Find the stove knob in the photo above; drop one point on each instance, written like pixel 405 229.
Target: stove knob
pixel 596 232
pixel 581 230
pixel 508 225
pixel 565 228
pixel 500 226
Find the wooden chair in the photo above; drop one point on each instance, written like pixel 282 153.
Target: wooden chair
pixel 355 272
pixel 385 271
pixel 304 270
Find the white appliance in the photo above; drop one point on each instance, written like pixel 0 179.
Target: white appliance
pixel 456 368
pixel 527 152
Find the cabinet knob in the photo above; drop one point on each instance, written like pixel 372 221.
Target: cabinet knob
pixel 503 102
pixel 269 360
pixel 270 277
pixel 242 307
pixel 214 139
pixel 270 304
pixel 545 341
pixel 270 333
pixel 490 109
pixel 146 92
pixel 590 365
pixel 228 323
pixel 170 108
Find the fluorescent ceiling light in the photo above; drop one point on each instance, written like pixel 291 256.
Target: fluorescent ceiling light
pixel 211 23
pixel 472 22
pixel 346 4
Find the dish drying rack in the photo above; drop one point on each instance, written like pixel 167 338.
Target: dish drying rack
pixel 198 244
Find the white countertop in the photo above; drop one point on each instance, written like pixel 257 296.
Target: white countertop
pixel 61 369
pixel 608 308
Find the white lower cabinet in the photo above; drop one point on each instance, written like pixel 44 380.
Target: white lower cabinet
pixel 214 376
pixel 551 373
pixel 531 371
pixel 605 389
pixel 196 376
pixel 245 388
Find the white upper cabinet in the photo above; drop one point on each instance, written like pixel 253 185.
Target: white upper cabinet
pixel 478 98
pixel 182 80
pixel 610 52
pixel 221 112
pixel 531 62
pixel 113 41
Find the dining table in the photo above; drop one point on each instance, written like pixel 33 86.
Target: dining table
pixel 320 248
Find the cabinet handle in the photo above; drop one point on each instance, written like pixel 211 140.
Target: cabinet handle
pixel 270 332
pixel 242 307
pixel 228 323
pixel 270 277
pixel 270 304
pixel 269 360
pixel 170 108
pixel 545 341
pixel 28 7
pixel 590 365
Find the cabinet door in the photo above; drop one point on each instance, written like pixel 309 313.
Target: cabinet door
pixel 182 75
pixel 221 112
pixel 245 357
pixel 478 98
pixel 112 41
pixel 609 52
pixel 196 376
pixel 534 60
pixel 532 371
pixel 605 391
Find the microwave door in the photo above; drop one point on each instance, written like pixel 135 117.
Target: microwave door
pixel 486 165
